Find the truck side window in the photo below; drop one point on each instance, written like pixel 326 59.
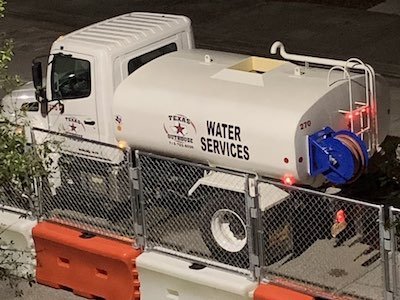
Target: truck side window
pixel 70 78
pixel 137 62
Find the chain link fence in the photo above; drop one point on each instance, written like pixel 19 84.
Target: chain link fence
pixel 320 240
pixel 196 212
pixel 213 217
pixel 395 250
pixel 89 186
pixel 14 199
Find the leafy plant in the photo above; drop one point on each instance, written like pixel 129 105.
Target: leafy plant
pixel 22 167
pixel 7 82
pixel 13 265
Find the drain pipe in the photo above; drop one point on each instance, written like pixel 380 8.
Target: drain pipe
pixel 352 63
pixel 314 60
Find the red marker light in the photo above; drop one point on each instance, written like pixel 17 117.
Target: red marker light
pixel 340 216
pixel 288 179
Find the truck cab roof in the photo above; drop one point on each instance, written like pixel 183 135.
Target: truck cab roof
pixel 118 34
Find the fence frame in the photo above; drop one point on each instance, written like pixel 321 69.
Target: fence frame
pixel 125 160
pixel 252 213
pixel 395 251
pixel 384 234
pixel 388 238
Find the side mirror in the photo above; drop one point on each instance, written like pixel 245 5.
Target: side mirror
pixel 44 108
pixel 37 75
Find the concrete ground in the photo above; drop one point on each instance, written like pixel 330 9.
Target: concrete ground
pixel 236 25
pixel 36 292
pixel 388 7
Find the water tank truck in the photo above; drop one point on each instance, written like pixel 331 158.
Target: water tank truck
pixel 308 123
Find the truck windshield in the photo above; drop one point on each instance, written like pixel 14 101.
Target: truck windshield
pixel 70 78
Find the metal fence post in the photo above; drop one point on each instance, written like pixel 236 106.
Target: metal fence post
pixel 133 188
pixel 386 247
pixel 37 183
pixel 253 226
pixel 393 239
pixel 259 230
pixel 137 201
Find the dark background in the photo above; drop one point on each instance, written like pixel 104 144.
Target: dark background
pixel 248 27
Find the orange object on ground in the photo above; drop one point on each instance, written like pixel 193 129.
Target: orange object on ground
pixel 275 292
pixel 92 267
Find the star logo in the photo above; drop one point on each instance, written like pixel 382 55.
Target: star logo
pixel 73 127
pixel 179 129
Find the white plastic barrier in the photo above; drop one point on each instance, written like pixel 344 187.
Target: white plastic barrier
pixel 170 278
pixel 18 250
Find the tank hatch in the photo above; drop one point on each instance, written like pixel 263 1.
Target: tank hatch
pixel 249 71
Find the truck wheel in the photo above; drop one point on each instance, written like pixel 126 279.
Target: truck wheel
pixel 223 228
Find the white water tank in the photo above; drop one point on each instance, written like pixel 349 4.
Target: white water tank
pixel 244 113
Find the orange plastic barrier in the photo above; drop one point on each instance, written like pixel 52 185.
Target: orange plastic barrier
pixel 274 292
pixel 92 267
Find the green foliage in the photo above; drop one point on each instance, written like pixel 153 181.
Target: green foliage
pixel 20 167
pixel 7 82
pixel 13 266
pixel 2 8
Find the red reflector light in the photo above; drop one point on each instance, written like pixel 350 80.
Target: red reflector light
pixel 340 216
pixel 288 179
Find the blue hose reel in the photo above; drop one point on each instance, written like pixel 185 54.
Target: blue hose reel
pixel 340 156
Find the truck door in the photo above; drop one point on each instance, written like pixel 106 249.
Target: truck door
pixel 72 108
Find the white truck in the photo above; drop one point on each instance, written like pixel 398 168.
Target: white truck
pixel 136 80
pixel 86 66
pixel 300 123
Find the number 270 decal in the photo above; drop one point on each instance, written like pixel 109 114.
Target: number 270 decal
pixel 305 124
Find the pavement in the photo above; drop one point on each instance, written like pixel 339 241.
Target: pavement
pixel 36 292
pixel 319 265
pixel 236 25
pixel 387 7
pixel 248 27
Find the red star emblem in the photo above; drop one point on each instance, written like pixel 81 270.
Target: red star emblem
pixel 179 129
pixel 73 127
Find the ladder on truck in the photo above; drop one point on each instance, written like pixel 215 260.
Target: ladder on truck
pixel 362 114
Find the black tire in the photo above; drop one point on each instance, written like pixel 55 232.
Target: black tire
pixel 219 199
pixel 276 222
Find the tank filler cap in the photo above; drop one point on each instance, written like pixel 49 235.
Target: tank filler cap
pixel 208 59
pixel 340 156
